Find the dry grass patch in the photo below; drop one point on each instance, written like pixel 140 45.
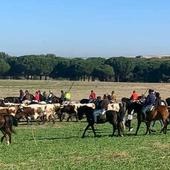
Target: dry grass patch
pixel 158 145
pixel 120 155
pixel 117 155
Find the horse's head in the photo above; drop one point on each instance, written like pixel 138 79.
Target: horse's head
pixel 86 109
pixel 136 106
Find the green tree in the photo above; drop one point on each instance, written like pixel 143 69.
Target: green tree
pixel 122 67
pixel 4 67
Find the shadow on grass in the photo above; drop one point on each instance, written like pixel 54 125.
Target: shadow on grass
pixel 55 138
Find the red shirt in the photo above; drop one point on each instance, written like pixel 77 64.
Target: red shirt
pixel 92 95
pixel 134 96
pixel 37 97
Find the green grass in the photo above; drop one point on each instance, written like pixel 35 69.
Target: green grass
pixel 60 146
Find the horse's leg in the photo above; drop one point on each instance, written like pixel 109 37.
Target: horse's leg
pixel 85 130
pixel 119 129
pixel 129 124
pixel 153 123
pixel 76 117
pixel 92 126
pixel 163 128
pixel 68 118
pixel 8 135
pixel 139 122
pixel 122 128
pixel 114 129
pixel 165 124
pixel 9 138
pixel 148 127
pixel 53 119
pixel 2 138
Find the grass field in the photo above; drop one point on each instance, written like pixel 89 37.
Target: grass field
pixel 60 146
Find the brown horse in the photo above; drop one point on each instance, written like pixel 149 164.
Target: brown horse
pixel 158 113
pixel 6 123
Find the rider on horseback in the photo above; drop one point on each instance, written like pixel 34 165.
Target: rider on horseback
pixel 149 102
pixel 102 107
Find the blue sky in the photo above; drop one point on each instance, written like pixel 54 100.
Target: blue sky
pixel 85 28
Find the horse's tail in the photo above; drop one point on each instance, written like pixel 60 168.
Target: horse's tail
pixel 14 121
pixel 10 121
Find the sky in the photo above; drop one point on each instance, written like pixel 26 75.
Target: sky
pixel 85 28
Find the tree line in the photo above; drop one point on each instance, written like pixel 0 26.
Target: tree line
pixel 119 69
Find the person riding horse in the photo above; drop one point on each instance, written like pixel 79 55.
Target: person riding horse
pixel 102 107
pixel 149 103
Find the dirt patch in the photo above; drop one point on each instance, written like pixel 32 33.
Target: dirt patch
pixel 108 156
pixel 158 145
pixel 120 155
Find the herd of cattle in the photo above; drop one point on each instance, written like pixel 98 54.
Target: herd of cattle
pixel 39 111
pixel 44 112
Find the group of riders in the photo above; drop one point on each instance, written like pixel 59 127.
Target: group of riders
pixel 39 96
pixel 148 102
pixel 153 99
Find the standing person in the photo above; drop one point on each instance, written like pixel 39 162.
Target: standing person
pixel 92 95
pixel 134 96
pixel 149 102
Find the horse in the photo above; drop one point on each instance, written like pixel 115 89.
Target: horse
pixel 160 112
pixel 12 100
pixel 84 101
pixel 126 103
pixel 54 99
pixel 2 103
pixel 111 116
pixel 168 101
pixel 6 123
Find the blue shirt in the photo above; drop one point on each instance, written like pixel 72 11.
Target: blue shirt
pixel 150 100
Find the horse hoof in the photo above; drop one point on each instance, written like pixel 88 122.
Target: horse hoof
pixel 111 135
pixel 152 130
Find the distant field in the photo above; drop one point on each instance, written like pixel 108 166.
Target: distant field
pixel 60 146
pixel 80 90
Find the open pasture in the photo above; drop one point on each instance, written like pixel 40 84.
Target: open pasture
pixel 60 146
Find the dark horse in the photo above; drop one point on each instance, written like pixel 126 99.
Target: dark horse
pixel 6 123
pixel 158 113
pixel 12 100
pixel 111 116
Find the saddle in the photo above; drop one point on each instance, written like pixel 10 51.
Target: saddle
pixel 151 109
pixel 101 116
